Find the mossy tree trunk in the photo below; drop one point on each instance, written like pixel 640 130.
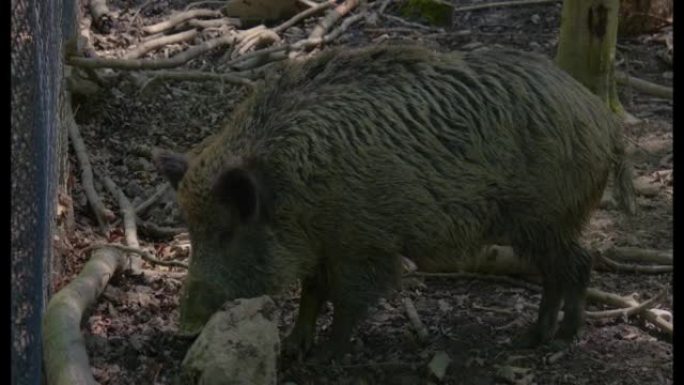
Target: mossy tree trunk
pixel 586 47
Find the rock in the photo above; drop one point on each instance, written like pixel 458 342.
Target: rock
pixel 439 363
pixel 644 185
pixel 238 346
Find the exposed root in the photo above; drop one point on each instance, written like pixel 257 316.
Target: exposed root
pixel 499 4
pixel 303 15
pixel 644 86
pixel 655 317
pixel 331 18
pixel 140 64
pixel 413 317
pixel 102 214
pixel 159 42
pixel 179 18
pixel 142 253
pixel 629 311
pixel 65 356
pixel 130 229
pixel 179 75
pixel 646 269
pixel 142 207
pixel 214 23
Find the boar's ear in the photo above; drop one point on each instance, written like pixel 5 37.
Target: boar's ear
pixel 171 165
pixel 238 189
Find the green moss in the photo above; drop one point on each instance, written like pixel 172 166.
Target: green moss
pixel 432 11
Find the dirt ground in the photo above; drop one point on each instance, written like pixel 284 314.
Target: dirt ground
pixel 130 333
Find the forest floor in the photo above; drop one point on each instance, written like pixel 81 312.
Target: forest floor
pixel 130 333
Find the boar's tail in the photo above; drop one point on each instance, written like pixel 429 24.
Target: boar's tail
pixel 623 182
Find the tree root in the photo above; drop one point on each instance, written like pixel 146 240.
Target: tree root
pixel 140 64
pixel 179 18
pixel 142 207
pixel 644 86
pixel 102 214
pixel 303 15
pixel 500 4
pixel 629 311
pixel 635 254
pixel 214 23
pixel 197 76
pixel 657 318
pixel 159 42
pixel 130 229
pixel 331 18
pixel 413 317
pixel 65 355
pixel 651 269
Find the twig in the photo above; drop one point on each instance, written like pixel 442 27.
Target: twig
pixel 102 214
pixel 179 18
pixel 635 254
pixel 153 44
pixel 144 254
pixel 644 86
pixel 260 54
pixel 629 311
pixel 617 266
pixel 499 4
pixel 128 213
pixel 65 356
pixel 199 76
pixel 332 17
pixel 412 314
pixel 138 64
pixel 303 15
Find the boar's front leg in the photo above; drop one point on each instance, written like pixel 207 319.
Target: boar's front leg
pixel 301 338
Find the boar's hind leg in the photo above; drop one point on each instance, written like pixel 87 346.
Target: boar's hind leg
pixel 578 270
pixel 301 338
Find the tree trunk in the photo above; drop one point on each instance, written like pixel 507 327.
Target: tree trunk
pixel 586 47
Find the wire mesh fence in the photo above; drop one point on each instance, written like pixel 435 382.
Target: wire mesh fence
pixel 37 33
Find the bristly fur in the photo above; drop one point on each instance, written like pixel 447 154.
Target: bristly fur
pixel 371 153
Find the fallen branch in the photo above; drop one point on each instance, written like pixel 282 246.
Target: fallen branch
pixel 412 314
pixel 142 253
pixel 139 64
pixel 303 15
pixel 153 44
pixel 102 214
pixel 644 86
pixel 635 254
pixel 409 23
pixel 500 4
pixel 331 18
pixel 617 266
pixel 128 214
pixel 65 356
pixel 179 18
